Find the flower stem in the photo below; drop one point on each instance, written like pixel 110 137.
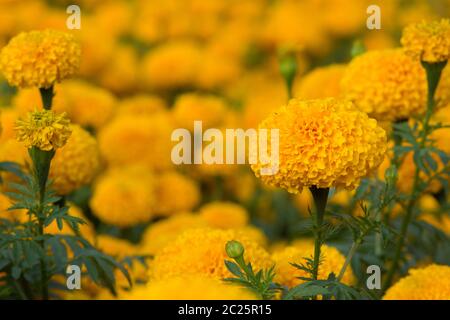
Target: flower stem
pixel 320 196
pixel 433 71
pixel 47 97
pixel 348 259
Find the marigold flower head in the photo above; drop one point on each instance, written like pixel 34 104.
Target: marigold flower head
pixel 323 143
pixel 138 139
pixel 124 197
pixel 44 130
pixel 200 288
pixel 224 215
pixel 40 58
pixel 321 83
pixel 194 107
pixel 386 84
pixel 428 41
pixel 162 232
pixel 140 104
pixel 172 183
pixel 170 66
pixel 287 275
pixel 429 283
pixel 202 251
pixel 75 164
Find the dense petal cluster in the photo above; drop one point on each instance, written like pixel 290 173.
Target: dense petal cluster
pixel 428 283
pixel 44 130
pixel 40 58
pixel 428 41
pixel 323 143
pixel 386 84
pixel 205 254
pixel 200 288
pixel 124 197
pixel 288 275
pixel 77 163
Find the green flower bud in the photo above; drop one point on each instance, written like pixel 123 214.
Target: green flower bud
pixel 234 249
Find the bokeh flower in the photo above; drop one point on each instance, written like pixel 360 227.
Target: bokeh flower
pixel 44 130
pixel 75 164
pixel 124 197
pixel 321 83
pixel 428 283
pixel 200 288
pixel 40 58
pixel 224 215
pixel 323 143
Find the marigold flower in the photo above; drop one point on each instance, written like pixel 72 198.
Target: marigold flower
pixel 323 143
pixel 194 107
pixel 428 41
pixel 40 58
pixel 173 183
pixel 124 197
pixel 321 83
pixel 44 130
pixel 428 283
pixel 200 288
pixel 138 139
pixel 386 84
pixel 287 275
pixel 162 232
pixel 140 104
pixel 206 254
pixel 77 163
pixel 224 215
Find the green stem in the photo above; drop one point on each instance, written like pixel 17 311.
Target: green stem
pixel 47 97
pixel 320 197
pixel 433 71
pixel 348 259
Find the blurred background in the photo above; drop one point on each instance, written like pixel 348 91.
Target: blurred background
pixel 150 66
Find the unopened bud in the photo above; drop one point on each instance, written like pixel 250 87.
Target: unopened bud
pixel 234 249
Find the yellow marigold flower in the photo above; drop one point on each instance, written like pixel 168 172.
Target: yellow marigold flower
pixel 205 254
pixel 200 288
pixel 428 41
pixel 77 163
pixel 138 139
pixel 224 215
pixel 162 232
pixel 287 275
pixel 40 58
pixel 88 105
pixel 195 107
pixel 323 143
pixel 173 183
pixel 140 104
pixel 44 130
pixel 428 283
pixel 386 84
pixel 170 66
pixel 321 83
pixel 124 197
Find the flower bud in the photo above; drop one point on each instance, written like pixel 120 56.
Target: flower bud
pixel 234 249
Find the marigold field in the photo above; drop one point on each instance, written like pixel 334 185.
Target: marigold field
pixel 94 206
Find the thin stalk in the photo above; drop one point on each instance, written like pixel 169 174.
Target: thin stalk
pixel 320 197
pixel 348 259
pixel 433 72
